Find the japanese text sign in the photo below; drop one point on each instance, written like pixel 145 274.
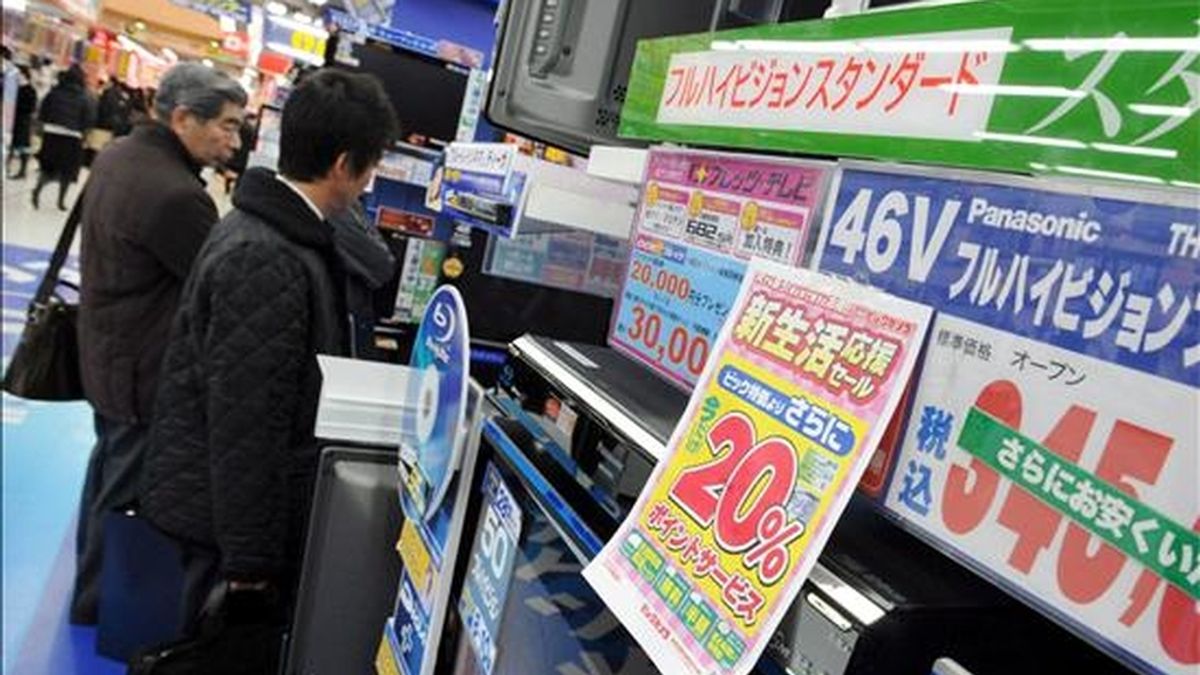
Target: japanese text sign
pixel 702 216
pixel 1112 277
pixel 804 377
pixel 1027 85
pixel 492 559
pixel 1067 479
pixel 1053 440
pixel 481 186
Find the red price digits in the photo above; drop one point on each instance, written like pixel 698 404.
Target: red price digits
pixel 1083 575
pixel 682 348
pixel 753 481
pixel 668 282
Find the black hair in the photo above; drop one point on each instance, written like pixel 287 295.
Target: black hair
pixel 331 113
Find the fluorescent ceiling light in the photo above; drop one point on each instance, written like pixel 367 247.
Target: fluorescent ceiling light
pixel 1114 44
pixel 789 46
pixel 1136 150
pixel 1012 90
pixel 318 3
pixel 277 8
pixel 1162 110
pixel 937 46
pixel 302 18
pixel 1031 140
pixel 1115 175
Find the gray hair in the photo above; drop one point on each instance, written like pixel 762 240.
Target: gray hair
pixel 202 90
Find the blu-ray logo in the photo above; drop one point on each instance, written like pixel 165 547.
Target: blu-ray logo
pixel 443 318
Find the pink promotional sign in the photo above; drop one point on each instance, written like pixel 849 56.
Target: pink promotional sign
pixel 703 216
pixel 804 378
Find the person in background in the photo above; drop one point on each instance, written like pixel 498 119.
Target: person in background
pixel 145 215
pixel 234 169
pixel 115 109
pixel 66 113
pixel 233 458
pixel 9 83
pixel 22 128
pixel 43 75
pixel 369 265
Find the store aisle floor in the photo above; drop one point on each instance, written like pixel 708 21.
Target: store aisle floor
pixel 45 452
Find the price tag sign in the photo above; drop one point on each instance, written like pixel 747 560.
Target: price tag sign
pixel 492 559
pixel 1053 436
pixel 703 216
pixel 804 377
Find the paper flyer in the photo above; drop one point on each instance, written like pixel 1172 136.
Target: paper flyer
pixel 805 375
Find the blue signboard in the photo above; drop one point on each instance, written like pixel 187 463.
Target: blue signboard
pixel 673 305
pixel 492 558
pixel 1107 277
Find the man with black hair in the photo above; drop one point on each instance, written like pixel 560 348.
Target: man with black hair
pixel 233 457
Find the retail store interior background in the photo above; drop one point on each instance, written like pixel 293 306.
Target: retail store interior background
pixel 1063 152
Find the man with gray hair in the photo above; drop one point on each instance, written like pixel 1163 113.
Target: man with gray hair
pixel 145 214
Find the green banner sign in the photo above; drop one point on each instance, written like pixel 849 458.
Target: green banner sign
pixel 1099 89
pixel 1152 539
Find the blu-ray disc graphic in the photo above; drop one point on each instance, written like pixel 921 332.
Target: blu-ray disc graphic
pixel 440 358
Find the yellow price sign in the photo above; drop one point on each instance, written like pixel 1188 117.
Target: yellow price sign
pixel 308 42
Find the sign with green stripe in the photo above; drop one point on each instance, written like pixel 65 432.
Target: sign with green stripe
pixel 1155 541
pixel 1103 89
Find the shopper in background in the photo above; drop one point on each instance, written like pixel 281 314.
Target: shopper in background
pixel 146 214
pixel 369 266
pixel 9 83
pixel 236 166
pixel 22 127
pixel 233 458
pixel 66 114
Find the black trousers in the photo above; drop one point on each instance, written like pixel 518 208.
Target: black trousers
pixel 111 483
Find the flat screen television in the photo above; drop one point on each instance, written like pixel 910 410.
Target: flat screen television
pixel 561 66
pixel 426 92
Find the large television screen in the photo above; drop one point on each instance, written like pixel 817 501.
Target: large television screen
pixel 426 92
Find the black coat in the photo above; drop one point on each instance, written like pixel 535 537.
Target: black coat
pixel 26 106
pixel 145 216
pixel 232 457
pixel 68 105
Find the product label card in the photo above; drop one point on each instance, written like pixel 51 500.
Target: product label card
pixel 703 215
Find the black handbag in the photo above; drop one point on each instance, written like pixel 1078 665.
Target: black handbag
pixel 45 364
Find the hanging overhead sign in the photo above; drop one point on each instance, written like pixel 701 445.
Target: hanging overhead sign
pixel 1029 85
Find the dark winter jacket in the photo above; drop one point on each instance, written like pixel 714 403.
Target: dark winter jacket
pixel 369 266
pixel 114 110
pixel 22 129
pixel 233 457
pixel 145 216
pixel 68 105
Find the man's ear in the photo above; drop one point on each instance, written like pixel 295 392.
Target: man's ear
pixel 343 167
pixel 179 119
